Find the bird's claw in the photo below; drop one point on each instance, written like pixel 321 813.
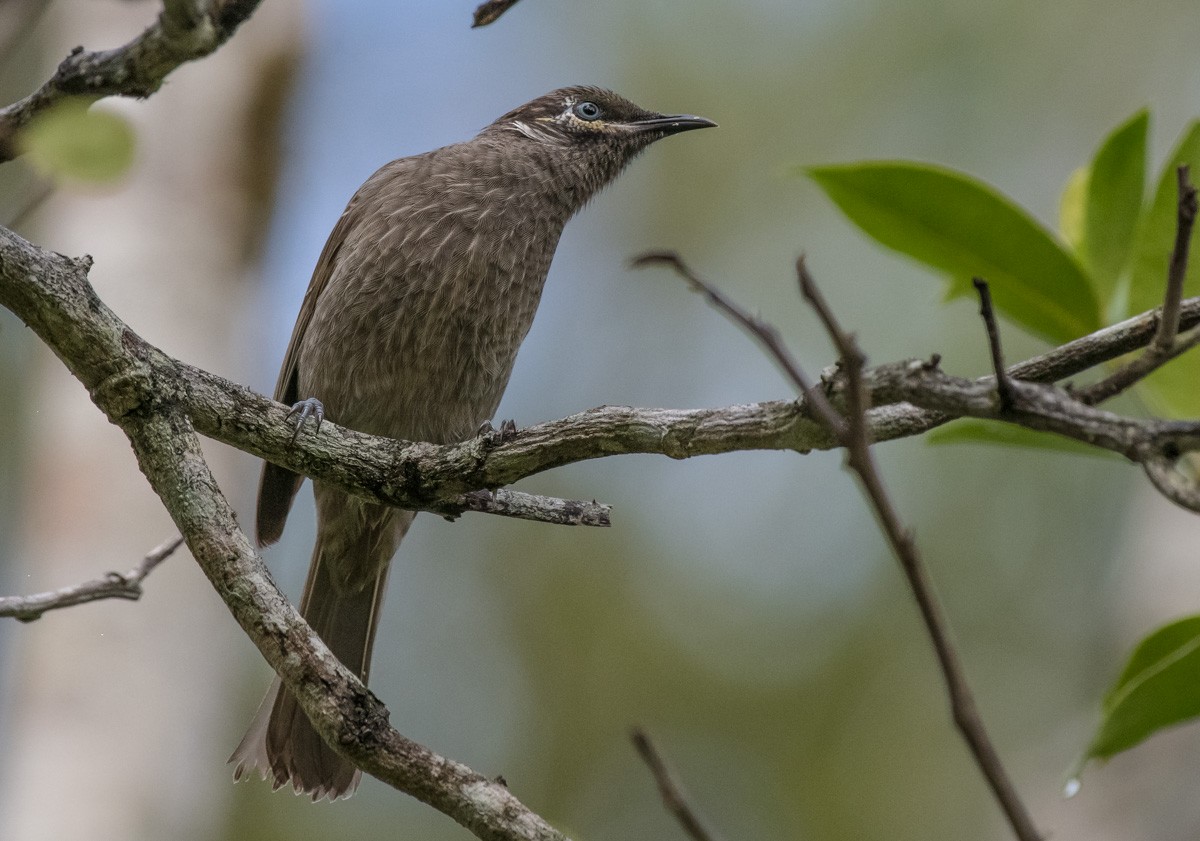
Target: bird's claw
pixel 508 430
pixel 310 408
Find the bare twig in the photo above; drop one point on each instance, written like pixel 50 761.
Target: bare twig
pixel 669 788
pixel 1003 386
pixel 1177 271
pixel 764 332
pixel 183 32
pixel 542 509
pixel 489 11
pixel 112 586
pixel 1167 343
pixel 854 434
pixel 862 462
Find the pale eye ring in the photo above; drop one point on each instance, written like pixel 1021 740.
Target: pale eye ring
pixel 588 111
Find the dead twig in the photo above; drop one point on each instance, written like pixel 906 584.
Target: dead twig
pixel 988 314
pixel 853 433
pixel 668 787
pixel 861 460
pixel 488 12
pixel 762 331
pixel 112 586
pixel 1167 342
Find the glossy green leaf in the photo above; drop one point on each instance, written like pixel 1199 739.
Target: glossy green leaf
pixel 1113 203
pixel 1156 233
pixel 74 142
pixel 962 227
pixel 1159 687
pixel 976 431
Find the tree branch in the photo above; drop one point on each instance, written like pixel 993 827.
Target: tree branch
pixel 124 374
pixel 185 31
pixel 112 586
pixel 348 716
pixel 853 433
pixel 489 11
pixel 861 460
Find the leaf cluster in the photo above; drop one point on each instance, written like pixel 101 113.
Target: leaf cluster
pixel 1108 259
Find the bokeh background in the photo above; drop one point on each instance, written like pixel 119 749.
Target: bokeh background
pixel 743 609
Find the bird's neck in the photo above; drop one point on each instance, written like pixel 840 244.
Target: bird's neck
pixel 559 175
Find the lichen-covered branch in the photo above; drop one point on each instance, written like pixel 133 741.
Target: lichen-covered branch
pixel 184 31
pixel 126 375
pixel 341 708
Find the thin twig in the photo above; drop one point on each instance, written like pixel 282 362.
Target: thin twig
pixel 855 436
pixel 1185 220
pixel 764 332
pixel 112 586
pixel 489 11
pixel 668 787
pixel 525 506
pixel 988 314
pixel 1167 343
pixel 862 462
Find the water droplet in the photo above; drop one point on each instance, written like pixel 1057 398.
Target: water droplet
pixel 1072 787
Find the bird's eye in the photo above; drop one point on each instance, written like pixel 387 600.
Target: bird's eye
pixel 587 111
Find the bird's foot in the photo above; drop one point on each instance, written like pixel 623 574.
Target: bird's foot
pixel 508 431
pixel 310 408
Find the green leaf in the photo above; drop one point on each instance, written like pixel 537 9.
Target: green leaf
pixel 1174 389
pixel 74 142
pixel 976 431
pixel 1159 687
pixel 1156 233
pixel 1072 208
pixel 962 227
pixel 1113 204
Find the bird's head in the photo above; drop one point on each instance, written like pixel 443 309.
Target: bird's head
pixel 590 130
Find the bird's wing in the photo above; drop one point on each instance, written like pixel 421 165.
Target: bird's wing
pixel 278 485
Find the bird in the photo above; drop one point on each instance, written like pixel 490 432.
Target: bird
pixel 409 329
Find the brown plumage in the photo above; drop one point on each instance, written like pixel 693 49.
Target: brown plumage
pixel 409 329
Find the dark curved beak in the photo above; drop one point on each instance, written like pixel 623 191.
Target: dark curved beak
pixel 672 124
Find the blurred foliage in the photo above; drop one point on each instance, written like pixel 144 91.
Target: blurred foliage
pixel 74 142
pixel 976 431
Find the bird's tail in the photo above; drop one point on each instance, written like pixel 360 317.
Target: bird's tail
pixel 280 742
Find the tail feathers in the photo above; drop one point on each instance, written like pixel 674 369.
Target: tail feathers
pixel 281 742
pixel 277 489
pixel 284 748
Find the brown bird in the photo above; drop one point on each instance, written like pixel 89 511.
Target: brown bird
pixel 409 329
